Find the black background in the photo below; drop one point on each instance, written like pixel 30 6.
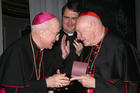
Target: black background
pixel 117 15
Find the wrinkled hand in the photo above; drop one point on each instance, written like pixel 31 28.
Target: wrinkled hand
pixel 57 80
pixel 78 46
pixel 65 47
pixel 86 80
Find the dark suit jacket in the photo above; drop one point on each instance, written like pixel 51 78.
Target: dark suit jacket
pixel 67 63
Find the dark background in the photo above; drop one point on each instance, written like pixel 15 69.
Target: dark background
pixel 117 15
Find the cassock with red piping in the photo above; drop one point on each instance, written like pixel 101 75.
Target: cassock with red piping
pixel 17 71
pixel 117 66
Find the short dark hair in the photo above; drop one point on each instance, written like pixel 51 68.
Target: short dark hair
pixel 72 5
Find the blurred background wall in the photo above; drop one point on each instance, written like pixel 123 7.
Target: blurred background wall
pixel 121 16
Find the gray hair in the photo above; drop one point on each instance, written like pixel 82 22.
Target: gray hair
pixel 39 26
pixel 92 18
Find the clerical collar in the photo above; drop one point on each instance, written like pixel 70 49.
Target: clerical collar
pixel 69 34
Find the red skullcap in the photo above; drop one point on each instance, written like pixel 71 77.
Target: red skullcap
pixel 42 17
pixel 90 13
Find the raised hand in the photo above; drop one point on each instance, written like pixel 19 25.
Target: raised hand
pixel 78 46
pixel 65 47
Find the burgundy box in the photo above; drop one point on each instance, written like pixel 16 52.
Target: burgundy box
pixel 79 68
pixel 2 90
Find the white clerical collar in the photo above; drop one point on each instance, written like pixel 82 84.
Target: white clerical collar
pixel 69 34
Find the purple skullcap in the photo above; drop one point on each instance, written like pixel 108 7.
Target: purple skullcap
pixel 42 17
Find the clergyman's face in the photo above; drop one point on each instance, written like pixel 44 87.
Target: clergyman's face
pixel 84 33
pixel 69 20
pixel 52 34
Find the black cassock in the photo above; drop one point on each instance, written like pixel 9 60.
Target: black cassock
pixel 68 62
pixel 17 71
pixel 117 66
pixel 75 87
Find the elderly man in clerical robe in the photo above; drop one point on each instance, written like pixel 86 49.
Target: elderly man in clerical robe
pixel 113 63
pixel 23 67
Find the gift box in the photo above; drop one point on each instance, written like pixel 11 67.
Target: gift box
pixel 2 90
pixel 79 68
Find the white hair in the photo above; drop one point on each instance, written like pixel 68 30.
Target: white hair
pixel 92 18
pixel 39 26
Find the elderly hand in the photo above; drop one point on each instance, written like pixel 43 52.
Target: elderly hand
pixel 78 46
pixel 86 80
pixel 65 47
pixel 57 80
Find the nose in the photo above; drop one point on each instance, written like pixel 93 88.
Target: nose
pixel 70 21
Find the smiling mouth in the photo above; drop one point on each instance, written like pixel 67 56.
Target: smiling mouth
pixel 69 25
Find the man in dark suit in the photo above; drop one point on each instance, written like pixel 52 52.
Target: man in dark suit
pixel 70 13
pixel 68 48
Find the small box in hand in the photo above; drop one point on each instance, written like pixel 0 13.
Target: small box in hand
pixel 79 68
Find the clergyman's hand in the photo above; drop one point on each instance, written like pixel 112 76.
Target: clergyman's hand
pixel 58 71
pixel 78 46
pixel 57 80
pixel 65 47
pixel 86 80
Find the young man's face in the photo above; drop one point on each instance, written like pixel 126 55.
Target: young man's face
pixel 69 20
